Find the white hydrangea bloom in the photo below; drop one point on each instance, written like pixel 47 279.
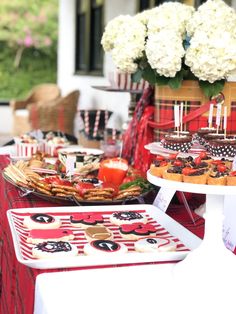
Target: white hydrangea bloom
pixel 170 15
pixel 212 52
pixel 125 49
pixel 212 56
pixel 144 16
pixel 112 31
pixel 166 29
pixel 160 32
pixel 211 14
pixel 164 52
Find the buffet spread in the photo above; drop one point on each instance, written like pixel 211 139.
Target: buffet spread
pixel 59 237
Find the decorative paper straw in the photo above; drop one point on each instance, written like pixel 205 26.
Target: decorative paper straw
pixel 106 118
pixel 176 115
pixel 86 121
pixel 181 116
pixel 218 116
pixel 210 117
pixel 114 134
pixel 95 130
pixel 225 120
pixel 121 149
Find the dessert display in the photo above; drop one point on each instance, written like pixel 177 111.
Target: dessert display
pixel 179 142
pixel 199 170
pixel 127 217
pixel 104 246
pixel 41 221
pixel 41 235
pixel 54 249
pixel 155 244
pixel 100 236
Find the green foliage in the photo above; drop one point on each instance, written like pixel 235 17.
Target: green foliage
pixel 143 183
pixel 20 17
pixel 176 81
pixel 29 23
pixel 147 73
pixel 36 68
pixel 212 89
pixel 136 77
pixel 28 44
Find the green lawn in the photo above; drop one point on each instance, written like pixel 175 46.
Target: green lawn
pixel 35 68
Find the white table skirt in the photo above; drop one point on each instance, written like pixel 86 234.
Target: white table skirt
pixel 107 290
pixel 148 289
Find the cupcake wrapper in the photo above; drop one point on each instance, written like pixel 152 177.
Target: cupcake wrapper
pixel 222 151
pixel 181 147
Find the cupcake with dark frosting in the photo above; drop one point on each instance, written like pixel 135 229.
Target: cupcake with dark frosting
pixel 202 132
pixel 178 142
pixel 211 137
pixel 223 147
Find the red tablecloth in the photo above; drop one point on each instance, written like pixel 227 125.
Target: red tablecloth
pixel 18 281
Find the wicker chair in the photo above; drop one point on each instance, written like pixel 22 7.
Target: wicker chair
pixel 55 115
pixel 43 92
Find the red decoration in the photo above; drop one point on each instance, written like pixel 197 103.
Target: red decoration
pixel 139 134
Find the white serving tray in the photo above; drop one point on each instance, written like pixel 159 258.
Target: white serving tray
pixel 166 227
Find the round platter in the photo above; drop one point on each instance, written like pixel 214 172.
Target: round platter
pixel 191 187
pixel 65 200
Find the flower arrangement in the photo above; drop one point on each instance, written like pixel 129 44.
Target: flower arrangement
pixel 173 42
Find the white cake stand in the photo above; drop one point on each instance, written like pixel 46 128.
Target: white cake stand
pixel 211 259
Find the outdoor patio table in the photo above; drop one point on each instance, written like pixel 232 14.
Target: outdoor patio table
pixel 17 286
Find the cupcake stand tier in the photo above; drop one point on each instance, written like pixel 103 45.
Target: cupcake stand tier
pixel 211 260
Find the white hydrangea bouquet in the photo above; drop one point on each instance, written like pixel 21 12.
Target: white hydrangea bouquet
pixel 173 42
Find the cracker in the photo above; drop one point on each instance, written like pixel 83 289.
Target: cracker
pixel 64 187
pixel 131 189
pixel 110 190
pixel 127 194
pixel 100 193
pixel 41 184
pixel 98 198
pixel 43 191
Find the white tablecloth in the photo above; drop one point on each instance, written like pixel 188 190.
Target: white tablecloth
pixel 108 290
pixel 6 150
pixel 148 289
